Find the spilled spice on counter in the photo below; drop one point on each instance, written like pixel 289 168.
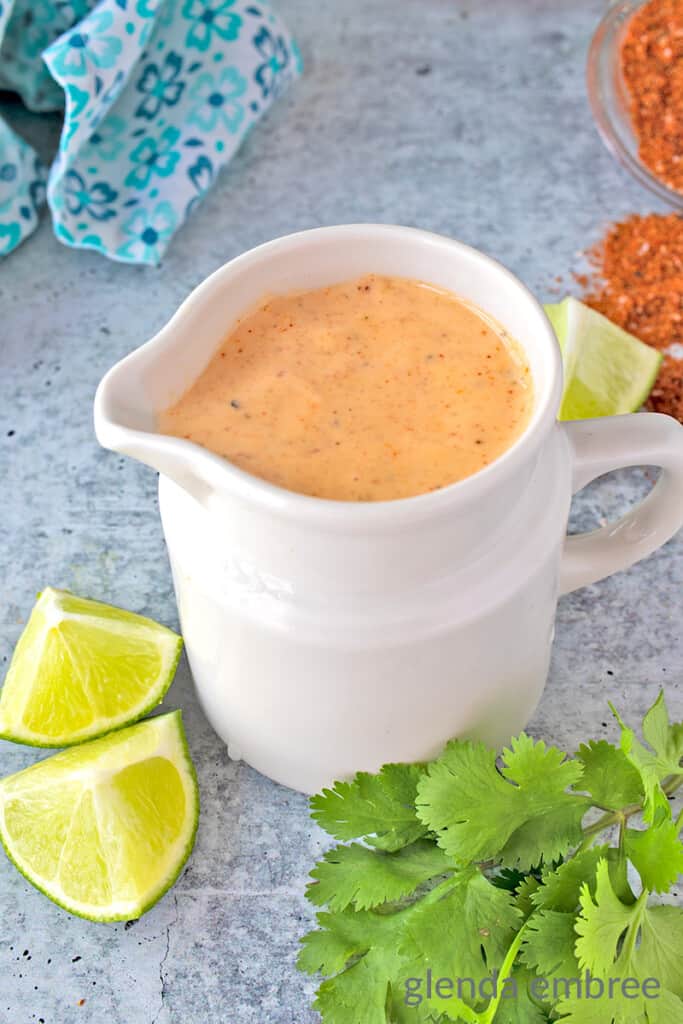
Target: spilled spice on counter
pixel 652 68
pixel 636 280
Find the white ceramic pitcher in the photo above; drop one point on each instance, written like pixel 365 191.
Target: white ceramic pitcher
pixel 326 637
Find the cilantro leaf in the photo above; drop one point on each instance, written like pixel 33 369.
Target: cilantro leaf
pixel 420 1014
pixel 548 946
pixel 524 897
pixel 521 884
pixel 367 878
pixel 618 941
pixel 547 836
pixel 340 938
pixel 604 919
pixel 462 928
pixel 466 933
pixel 518 1007
pixel 521 814
pixel 361 994
pixel 562 886
pixel 661 942
pixel 666 1008
pixel 609 931
pixel 379 808
pixel 664 738
pixel 608 776
pixel 663 759
pixel 359 950
pixel 416 898
pixel 657 855
pixel 511 878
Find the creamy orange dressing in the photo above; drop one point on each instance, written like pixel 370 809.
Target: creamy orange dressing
pixel 377 388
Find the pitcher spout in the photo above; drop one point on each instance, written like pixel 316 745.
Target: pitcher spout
pixel 127 403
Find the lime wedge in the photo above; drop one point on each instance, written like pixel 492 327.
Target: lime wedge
pixel 81 669
pixel 105 828
pixel 606 370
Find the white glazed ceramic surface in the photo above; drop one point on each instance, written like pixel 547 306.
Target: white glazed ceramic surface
pixel 328 637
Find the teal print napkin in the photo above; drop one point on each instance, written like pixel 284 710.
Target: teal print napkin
pixel 157 96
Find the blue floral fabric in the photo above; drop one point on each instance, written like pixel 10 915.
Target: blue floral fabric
pixel 157 96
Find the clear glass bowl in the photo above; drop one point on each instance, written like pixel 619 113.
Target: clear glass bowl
pixel 610 103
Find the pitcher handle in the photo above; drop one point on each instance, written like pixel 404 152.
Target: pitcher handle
pixel 600 446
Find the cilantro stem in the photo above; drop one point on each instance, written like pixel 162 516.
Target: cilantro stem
pixel 467 1014
pixel 633 930
pixel 670 785
pixel 489 1014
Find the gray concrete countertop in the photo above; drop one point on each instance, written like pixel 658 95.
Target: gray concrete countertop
pixel 466 118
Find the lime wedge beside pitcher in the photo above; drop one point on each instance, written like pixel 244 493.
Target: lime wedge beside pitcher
pixel 607 371
pixel 104 828
pixel 81 669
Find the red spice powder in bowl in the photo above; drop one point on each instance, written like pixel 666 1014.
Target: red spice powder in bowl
pixel 652 66
pixel 635 87
pixel 637 282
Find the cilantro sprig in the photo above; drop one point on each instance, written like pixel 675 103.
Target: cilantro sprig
pixel 525 867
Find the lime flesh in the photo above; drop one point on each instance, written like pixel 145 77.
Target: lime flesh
pixel 104 829
pixel 606 370
pixel 81 669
